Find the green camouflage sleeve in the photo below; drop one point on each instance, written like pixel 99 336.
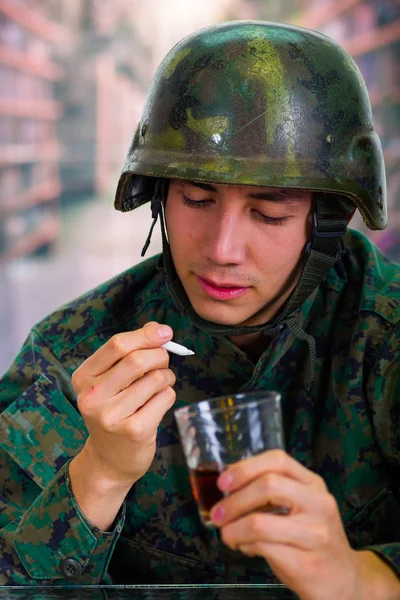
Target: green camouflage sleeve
pixel 384 393
pixel 44 537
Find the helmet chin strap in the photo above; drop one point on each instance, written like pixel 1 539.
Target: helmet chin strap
pixel 156 209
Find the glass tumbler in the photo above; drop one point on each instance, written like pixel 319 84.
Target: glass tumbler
pixel 221 431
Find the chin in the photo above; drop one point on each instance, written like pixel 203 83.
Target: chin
pixel 220 317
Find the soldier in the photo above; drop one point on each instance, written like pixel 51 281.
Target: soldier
pixel 255 147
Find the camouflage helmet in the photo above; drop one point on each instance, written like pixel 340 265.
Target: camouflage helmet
pixel 257 103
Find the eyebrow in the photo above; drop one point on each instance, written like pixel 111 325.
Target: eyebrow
pixel 272 196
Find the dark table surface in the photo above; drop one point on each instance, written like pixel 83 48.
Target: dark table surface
pixel 148 592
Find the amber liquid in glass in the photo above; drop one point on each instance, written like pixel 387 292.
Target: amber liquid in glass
pixel 205 490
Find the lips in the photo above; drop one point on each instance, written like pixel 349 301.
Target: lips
pixel 221 291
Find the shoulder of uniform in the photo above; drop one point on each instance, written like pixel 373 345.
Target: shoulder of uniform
pixel 378 277
pixel 104 309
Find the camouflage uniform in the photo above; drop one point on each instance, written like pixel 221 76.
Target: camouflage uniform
pixel 346 428
pixel 245 103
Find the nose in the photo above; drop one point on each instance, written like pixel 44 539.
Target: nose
pixel 225 241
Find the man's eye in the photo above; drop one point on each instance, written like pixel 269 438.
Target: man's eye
pixel 270 220
pixel 260 216
pixel 194 203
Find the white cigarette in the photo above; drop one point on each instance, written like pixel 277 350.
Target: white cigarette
pixel 177 349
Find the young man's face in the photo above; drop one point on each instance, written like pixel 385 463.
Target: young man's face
pixel 237 249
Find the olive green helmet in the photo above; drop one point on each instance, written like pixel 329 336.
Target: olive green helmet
pixel 257 103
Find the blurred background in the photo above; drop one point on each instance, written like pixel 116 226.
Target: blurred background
pixel 73 78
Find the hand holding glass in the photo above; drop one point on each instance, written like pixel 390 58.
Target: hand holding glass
pixel 219 432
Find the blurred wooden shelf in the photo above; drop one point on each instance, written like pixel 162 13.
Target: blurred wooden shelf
pixel 40 109
pixel 38 194
pixel 34 21
pixel 379 96
pixel 29 153
pixel 372 40
pixel 29 150
pixel 43 234
pixel 40 66
pixel 316 17
pixel 392 157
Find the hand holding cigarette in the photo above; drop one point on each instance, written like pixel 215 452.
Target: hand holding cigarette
pixel 123 391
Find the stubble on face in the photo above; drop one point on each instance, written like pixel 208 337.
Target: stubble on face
pixel 224 273
pixel 263 310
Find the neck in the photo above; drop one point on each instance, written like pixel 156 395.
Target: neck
pixel 253 344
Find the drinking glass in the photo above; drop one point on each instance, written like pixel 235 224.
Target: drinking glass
pixel 221 431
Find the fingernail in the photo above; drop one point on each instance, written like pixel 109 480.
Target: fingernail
pixel 164 331
pixel 218 514
pixel 225 481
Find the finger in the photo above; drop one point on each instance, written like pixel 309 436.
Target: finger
pixel 259 527
pixel 286 561
pixel 149 416
pixel 251 550
pixel 268 489
pixel 287 554
pixel 272 461
pixel 152 335
pixel 127 371
pixel 130 400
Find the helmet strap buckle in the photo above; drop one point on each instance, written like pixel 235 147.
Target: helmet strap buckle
pixel 156 203
pixel 328 228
